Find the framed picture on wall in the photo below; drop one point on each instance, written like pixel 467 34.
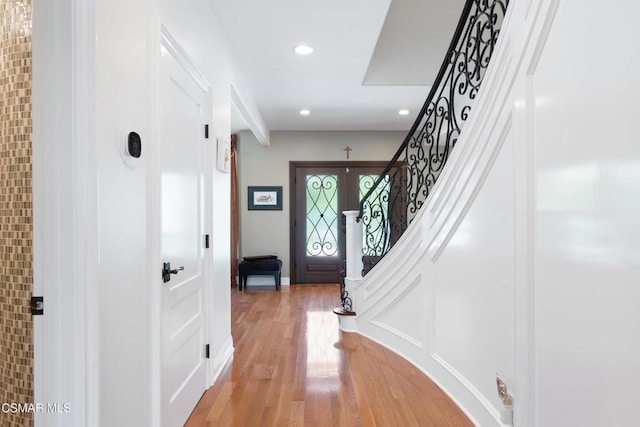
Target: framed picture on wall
pixel 265 198
pixel 223 156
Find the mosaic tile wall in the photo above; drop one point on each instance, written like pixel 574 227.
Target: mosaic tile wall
pixel 16 215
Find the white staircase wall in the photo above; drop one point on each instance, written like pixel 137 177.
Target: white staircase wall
pixel 525 260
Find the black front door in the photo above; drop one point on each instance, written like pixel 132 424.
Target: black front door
pixel 320 193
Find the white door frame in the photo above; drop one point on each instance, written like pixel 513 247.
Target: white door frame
pixel 65 212
pixel 160 36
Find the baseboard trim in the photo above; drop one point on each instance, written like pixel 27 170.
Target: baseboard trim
pixel 220 360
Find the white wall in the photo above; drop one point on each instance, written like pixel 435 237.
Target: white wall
pixel 122 102
pixel 530 270
pixel 587 218
pixel 110 375
pixel 267 232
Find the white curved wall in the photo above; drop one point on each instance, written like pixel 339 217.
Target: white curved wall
pixel 525 261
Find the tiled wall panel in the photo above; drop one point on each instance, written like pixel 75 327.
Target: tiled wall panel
pixel 16 217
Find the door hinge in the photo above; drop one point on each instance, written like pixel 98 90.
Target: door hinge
pixel 37 306
pixel 206 131
pixel 206 241
pixel 206 352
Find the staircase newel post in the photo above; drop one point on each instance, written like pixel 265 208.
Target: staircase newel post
pixel 353 271
pixel 353 245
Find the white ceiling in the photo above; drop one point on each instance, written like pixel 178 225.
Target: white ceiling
pixel 371 58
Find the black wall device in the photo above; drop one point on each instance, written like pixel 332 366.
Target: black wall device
pixel 134 145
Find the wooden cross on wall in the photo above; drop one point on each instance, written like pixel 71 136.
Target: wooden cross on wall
pixel 348 150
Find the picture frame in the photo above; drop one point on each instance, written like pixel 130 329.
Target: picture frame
pixel 223 155
pixel 264 198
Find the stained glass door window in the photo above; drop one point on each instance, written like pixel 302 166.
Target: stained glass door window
pixel 322 215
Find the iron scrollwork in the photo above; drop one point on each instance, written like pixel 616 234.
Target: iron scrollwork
pixel 400 191
pixel 322 215
pixel 345 299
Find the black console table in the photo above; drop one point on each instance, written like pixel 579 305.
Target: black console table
pixel 259 266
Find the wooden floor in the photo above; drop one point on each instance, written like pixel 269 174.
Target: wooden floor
pixel 293 367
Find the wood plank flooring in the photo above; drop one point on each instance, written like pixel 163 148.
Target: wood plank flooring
pixel 292 366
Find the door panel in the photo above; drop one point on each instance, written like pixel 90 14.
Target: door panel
pixel 318 236
pixel 182 107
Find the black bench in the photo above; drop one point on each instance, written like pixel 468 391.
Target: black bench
pixel 259 266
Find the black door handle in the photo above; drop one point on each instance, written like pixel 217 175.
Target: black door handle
pixel 167 271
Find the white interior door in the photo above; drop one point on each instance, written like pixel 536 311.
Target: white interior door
pixel 182 117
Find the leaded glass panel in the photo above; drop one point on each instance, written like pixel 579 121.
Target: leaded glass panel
pixel 322 215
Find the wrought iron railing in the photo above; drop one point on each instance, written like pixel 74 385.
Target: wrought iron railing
pixel 395 198
pixel 345 300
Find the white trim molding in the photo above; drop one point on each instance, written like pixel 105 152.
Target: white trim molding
pixel 65 212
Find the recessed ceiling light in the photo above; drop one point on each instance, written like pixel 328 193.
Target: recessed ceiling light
pixel 302 49
pixel 305 112
pixel 403 112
